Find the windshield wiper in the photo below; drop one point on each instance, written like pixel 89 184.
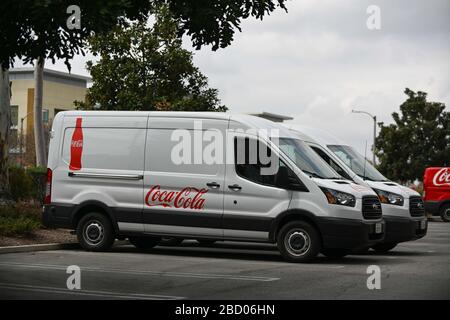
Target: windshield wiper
pixel 364 177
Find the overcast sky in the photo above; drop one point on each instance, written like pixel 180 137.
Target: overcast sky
pixel 319 61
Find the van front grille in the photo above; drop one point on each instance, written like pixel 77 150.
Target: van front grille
pixel 371 207
pixel 416 207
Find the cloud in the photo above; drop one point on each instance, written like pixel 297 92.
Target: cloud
pixel 319 61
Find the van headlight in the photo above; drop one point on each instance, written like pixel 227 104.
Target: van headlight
pixel 339 197
pixel 389 197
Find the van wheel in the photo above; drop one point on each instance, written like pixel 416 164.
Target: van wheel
pixel 95 232
pixel 144 243
pixel 335 253
pixel 384 247
pixel 206 242
pixel 298 241
pixel 445 213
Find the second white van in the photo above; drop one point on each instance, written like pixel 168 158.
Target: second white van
pixel 403 208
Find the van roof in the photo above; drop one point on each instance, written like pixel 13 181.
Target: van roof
pixel 316 135
pixel 249 121
pixel 166 114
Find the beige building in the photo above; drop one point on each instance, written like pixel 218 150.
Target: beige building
pixel 60 91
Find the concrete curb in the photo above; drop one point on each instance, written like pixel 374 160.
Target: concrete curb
pixel 39 247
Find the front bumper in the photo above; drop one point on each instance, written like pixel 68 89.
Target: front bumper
pixel 349 233
pixel 401 229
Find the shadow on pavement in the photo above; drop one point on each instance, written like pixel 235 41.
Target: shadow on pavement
pixel 244 251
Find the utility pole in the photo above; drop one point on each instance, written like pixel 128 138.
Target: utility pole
pixel 374 129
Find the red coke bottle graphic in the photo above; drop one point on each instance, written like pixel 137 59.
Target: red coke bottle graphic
pixel 76 147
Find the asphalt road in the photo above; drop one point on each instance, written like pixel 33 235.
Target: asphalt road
pixel 230 270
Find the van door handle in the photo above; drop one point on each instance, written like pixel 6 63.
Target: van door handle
pixel 235 187
pixel 213 185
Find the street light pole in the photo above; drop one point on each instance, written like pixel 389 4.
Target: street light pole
pixel 374 129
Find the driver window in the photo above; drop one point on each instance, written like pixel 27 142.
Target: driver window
pixel 331 163
pixel 252 171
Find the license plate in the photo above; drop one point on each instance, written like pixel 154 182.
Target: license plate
pixel 378 227
pixel 423 224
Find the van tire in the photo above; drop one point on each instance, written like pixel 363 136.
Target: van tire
pixel 144 243
pixel 335 253
pixel 445 212
pixel 384 247
pixel 298 241
pixel 95 232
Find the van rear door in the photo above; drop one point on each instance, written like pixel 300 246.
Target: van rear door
pixel 102 159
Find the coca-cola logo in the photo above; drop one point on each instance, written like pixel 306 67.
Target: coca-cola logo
pixel 77 143
pixel 187 198
pixel 442 177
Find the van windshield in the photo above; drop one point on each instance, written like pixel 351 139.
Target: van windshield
pixel 306 159
pixel 355 162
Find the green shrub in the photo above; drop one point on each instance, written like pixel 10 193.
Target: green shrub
pixel 19 218
pixel 39 177
pixel 15 226
pixel 26 184
pixel 20 184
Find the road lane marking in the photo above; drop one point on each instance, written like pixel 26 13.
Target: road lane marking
pixel 145 272
pixel 95 293
pixel 196 259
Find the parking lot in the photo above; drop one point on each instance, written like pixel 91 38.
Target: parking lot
pixel 230 270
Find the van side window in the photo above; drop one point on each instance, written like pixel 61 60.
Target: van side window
pixel 251 169
pixel 331 162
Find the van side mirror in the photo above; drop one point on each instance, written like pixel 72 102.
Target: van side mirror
pixel 282 178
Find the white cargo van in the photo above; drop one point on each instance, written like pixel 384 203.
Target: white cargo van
pixel 403 209
pixel 113 175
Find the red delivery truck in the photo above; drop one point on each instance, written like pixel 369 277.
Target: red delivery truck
pixel 436 185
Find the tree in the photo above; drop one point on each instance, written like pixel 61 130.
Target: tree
pixel 5 124
pixel 144 67
pixel 39 140
pixel 31 29
pixel 418 138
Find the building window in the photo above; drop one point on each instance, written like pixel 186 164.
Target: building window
pixel 15 116
pixel 45 115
